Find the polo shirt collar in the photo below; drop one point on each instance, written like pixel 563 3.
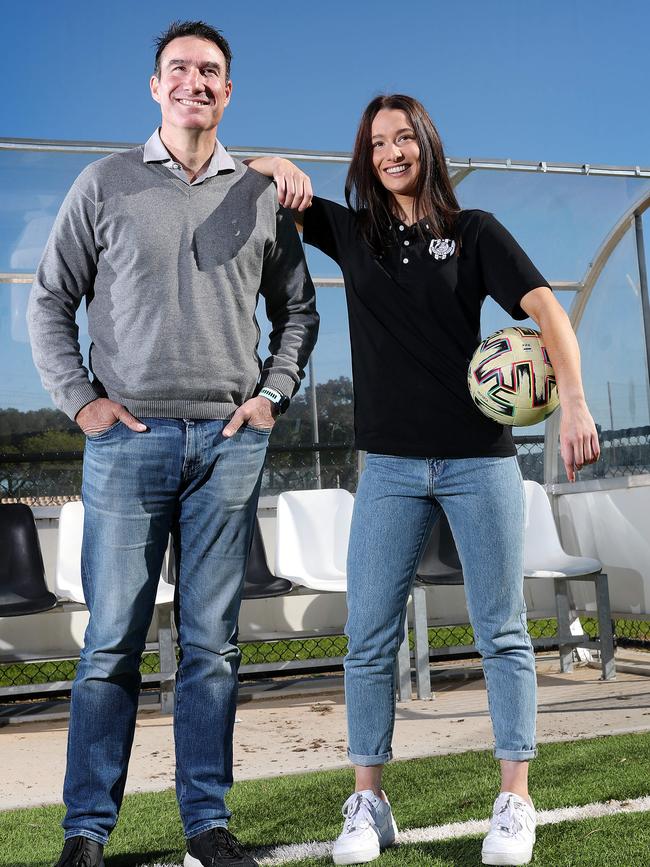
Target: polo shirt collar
pixel 399 226
pixel 156 152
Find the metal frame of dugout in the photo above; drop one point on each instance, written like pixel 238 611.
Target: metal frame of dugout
pixel 566 639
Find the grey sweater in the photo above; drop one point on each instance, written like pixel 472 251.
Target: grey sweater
pixel 171 275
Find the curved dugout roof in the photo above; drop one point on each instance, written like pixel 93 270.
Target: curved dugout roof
pixel 570 218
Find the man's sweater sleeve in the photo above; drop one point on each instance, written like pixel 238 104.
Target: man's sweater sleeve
pixel 290 307
pixel 65 274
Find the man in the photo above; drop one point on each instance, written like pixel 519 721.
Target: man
pixel 170 245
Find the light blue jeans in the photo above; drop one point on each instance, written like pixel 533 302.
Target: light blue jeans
pixel 185 477
pixel 398 501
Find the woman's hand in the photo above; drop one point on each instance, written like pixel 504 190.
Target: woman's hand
pixel 578 437
pixel 294 186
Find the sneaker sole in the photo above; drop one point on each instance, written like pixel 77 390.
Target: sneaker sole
pixel 358 857
pixel 362 856
pixel 508 858
pixel 191 861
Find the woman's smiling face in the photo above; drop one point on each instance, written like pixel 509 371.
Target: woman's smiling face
pixel 395 152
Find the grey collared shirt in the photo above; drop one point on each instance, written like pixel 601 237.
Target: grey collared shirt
pixel 156 152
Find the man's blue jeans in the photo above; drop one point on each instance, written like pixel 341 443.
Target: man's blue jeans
pixel 185 477
pixel 398 501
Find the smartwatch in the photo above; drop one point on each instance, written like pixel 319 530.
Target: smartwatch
pixel 280 401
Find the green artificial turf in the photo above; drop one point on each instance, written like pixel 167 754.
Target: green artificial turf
pixel 423 792
pixel 617 841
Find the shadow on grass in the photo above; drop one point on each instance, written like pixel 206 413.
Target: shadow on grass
pixel 448 853
pixel 465 852
pixel 135 859
pixel 160 856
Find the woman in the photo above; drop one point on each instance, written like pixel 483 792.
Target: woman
pixel 416 270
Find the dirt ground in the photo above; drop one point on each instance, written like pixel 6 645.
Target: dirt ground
pixel 302 728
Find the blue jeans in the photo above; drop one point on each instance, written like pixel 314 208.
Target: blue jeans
pixel 183 477
pixel 398 501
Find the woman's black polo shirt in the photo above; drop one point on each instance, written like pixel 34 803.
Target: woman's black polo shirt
pixel 414 317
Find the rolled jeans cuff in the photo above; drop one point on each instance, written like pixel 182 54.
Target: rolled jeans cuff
pixel 97 838
pixel 516 755
pixel 207 826
pixel 370 761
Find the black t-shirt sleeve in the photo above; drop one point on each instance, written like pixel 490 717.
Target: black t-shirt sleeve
pixel 508 273
pixel 328 226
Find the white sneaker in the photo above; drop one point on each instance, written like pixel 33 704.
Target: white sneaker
pixel 369 827
pixel 511 837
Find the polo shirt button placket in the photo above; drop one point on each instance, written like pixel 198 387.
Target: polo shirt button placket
pixel 405 242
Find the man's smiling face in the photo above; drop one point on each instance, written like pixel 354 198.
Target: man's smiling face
pixel 192 90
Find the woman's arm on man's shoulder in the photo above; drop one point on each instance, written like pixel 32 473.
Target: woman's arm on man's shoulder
pixel 294 186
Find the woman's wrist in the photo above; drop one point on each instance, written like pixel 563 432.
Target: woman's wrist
pixel 264 165
pixel 572 400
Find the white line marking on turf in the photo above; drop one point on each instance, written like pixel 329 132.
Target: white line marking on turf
pixel 472 827
pixel 277 855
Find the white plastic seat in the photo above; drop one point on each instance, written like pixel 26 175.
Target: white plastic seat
pixel 312 534
pixel 544 557
pixel 68 587
pixel 311 548
pixel 68 560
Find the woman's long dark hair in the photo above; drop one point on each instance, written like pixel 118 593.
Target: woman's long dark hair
pixel 370 200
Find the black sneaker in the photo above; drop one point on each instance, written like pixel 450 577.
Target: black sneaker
pixel 81 852
pixel 216 848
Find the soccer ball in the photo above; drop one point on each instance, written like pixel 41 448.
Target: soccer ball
pixel 511 379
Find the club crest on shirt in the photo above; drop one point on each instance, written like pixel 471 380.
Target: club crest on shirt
pixel 442 248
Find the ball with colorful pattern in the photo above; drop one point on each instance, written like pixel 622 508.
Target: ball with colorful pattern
pixel 511 378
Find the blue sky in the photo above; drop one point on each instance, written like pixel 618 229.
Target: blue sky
pixel 562 80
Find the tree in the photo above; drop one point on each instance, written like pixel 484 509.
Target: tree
pixel 293 463
pixel 44 435
pixel 40 434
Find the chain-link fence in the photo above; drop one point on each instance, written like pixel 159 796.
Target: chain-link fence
pixel 337 465
pixel 530 453
pixel 314 466
pixel 624 452
pixel 40 479
pixel 54 477
pixel 324 652
pixel 633 633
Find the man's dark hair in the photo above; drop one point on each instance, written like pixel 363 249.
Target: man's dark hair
pixel 192 28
